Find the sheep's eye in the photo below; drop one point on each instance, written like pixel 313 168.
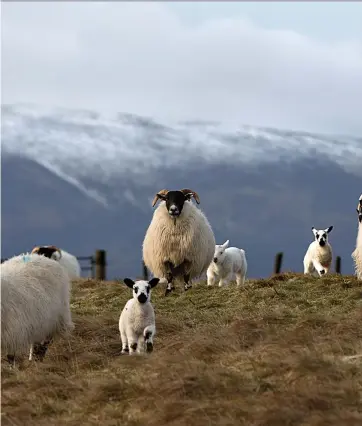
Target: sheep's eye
pixel 135 289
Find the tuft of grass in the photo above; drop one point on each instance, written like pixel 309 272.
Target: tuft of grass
pixel 279 351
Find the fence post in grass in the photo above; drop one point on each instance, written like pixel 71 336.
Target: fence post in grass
pixel 338 265
pixel 145 271
pixel 100 261
pixel 278 263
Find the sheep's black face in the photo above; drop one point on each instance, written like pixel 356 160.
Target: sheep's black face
pixel 46 251
pixel 175 203
pixel 141 289
pixel 321 238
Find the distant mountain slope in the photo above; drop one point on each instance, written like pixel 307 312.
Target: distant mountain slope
pixel 84 182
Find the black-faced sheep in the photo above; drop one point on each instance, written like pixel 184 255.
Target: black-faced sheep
pixel 179 242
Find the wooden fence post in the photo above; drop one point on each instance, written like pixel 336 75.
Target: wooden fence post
pixel 278 263
pixel 338 264
pixel 100 261
pixel 145 271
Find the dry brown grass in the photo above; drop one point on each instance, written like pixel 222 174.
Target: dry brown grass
pixel 270 354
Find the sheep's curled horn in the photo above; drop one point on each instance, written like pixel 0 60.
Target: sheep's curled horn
pixel 194 194
pixel 159 194
pixel 185 191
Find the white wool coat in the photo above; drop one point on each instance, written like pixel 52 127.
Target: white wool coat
pixel 190 238
pixel 35 302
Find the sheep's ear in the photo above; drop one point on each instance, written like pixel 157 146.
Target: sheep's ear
pixel 329 229
pixel 154 282
pixel 314 230
pixel 226 244
pixel 129 283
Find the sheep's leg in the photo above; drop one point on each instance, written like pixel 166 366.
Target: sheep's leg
pixel 31 351
pixel 11 360
pixel 224 281
pixel 124 340
pixel 40 349
pixel 319 268
pixel 240 279
pixel 188 285
pixel 148 339
pixel 132 341
pixel 169 278
pixel 211 278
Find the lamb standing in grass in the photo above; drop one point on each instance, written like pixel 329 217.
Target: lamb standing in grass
pixel 35 304
pixel 227 262
pixel 137 321
pixel 357 254
pixel 318 258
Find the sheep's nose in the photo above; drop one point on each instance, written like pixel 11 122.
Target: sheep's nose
pixel 173 210
pixel 215 259
pixel 142 298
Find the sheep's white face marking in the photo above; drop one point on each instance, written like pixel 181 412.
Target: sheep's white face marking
pixel 321 235
pixel 141 289
pixel 219 254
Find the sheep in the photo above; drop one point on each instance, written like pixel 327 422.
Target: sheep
pixel 227 261
pixel 318 257
pixel 357 253
pixel 137 320
pixel 35 304
pixel 67 260
pixel 179 242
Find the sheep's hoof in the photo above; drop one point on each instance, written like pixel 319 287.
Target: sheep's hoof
pixel 149 347
pixel 168 291
pixel 125 350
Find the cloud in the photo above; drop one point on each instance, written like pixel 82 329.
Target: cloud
pixel 140 58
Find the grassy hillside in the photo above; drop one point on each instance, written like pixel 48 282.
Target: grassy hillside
pixel 271 354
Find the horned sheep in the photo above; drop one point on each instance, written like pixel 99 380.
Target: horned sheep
pixel 137 320
pixel 227 262
pixel 357 253
pixel 67 260
pixel 318 257
pixel 179 242
pixel 35 304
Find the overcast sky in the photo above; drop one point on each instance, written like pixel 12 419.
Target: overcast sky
pixel 288 65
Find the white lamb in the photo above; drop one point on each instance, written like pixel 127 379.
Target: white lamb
pixel 227 262
pixel 318 257
pixel 67 260
pixel 179 242
pixel 357 254
pixel 137 321
pixel 35 304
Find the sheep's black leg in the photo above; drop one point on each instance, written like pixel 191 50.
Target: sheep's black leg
pixel 169 277
pixel 11 360
pixel 170 286
pixel 40 349
pixel 188 285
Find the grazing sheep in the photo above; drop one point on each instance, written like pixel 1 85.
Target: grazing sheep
pixel 227 261
pixel 67 260
pixel 357 254
pixel 137 321
pixel 35 305
pixel 179 242
pixel 318 258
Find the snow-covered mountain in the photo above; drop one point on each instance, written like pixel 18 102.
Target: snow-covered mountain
pixel 262 188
